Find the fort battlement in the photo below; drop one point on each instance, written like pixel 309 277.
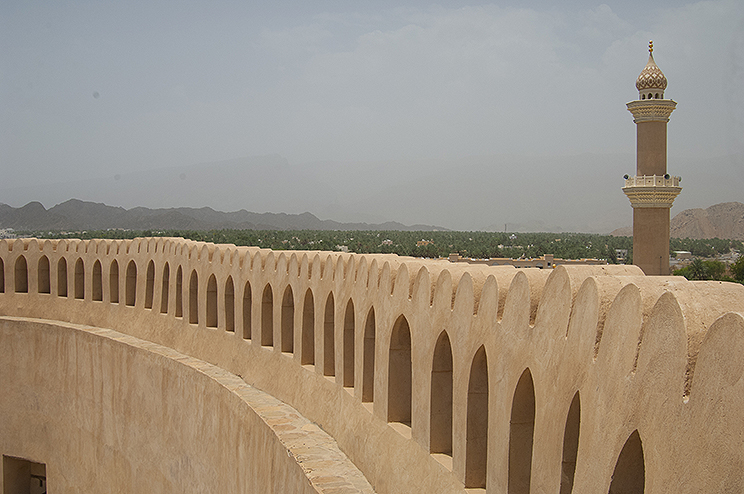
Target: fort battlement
pixel 134 360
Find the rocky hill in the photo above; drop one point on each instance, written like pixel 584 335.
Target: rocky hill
pixel 725 220
pixel 75 215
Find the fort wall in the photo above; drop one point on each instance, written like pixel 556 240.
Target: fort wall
pixel 432 376
pixel 107 412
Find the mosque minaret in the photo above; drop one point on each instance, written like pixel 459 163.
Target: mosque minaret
pixel 651 191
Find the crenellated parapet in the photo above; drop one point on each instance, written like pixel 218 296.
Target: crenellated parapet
pixel 434 376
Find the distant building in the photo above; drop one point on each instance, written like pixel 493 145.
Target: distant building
pixel 545 262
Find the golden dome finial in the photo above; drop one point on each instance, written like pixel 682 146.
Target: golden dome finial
pixel 651 78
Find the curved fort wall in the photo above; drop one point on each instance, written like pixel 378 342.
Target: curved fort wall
pixel 429 376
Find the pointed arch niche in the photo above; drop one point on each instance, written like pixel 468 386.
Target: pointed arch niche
pixel 440 423
pixel 630 471
pixel 521 431
pixel 399 373
pixel 212 317
pixel 43 278
pixel 247 310
pixel 368 370
pixel 267 317
pixel 165 289
pixel 229 305
pixel 114 282
pixel 329 343
pixel 476 446
pixel 97 287
pixel 21 275
pixel 287 322
pixel 570 445
pixel 307 354
pixel 349 331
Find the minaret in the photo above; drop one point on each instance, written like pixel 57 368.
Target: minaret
pixel 651 191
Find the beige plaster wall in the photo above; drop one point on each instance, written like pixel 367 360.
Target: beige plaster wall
pixel 107 412
pixel 656 355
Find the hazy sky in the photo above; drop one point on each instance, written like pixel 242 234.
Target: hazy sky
pixel 101 88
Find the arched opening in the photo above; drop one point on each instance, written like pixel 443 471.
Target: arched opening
pixel 287 342
pixel 79 279
pixel 97 293
pixel 570 445
pixel 440 423
pixel 368 371
pixel 62 277
pixel 349 345
pixel 630 472
pixel 267 317
pixel 476 445
pixel 114 282
pixel 307 356
pixel 164 292
pixel 247 311
pixel 150 285
pixel 21 275
pixel 130 284
pixel 194 298
pixel 212 302
pixel 229 305
pixel 329 344
pixel 179 292
pixel 399 373
pixel 521 430
pixel 43 279
pixel 2 276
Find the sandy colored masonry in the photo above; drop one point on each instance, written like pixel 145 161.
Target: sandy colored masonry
pixel 425 376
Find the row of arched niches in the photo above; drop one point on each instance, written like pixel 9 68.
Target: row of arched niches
pixel 483 368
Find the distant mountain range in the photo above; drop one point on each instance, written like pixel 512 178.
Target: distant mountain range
pixel 75 215
pixel 519 193
pixel 725 220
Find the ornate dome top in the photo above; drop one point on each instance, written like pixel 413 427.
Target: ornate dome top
pixel 651 76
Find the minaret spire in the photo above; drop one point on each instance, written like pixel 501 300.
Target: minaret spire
pixel 651 191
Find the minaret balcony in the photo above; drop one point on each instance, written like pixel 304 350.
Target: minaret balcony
pixel 651 110
pixel 652 191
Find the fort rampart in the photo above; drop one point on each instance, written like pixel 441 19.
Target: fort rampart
pixel 192 367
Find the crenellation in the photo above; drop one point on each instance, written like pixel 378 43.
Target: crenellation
pixel 661 358
pixel 629 350
pixel 326 268
pixel 518 306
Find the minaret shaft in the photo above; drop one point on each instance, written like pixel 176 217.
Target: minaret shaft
pixel 651 148
pixel 651 240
